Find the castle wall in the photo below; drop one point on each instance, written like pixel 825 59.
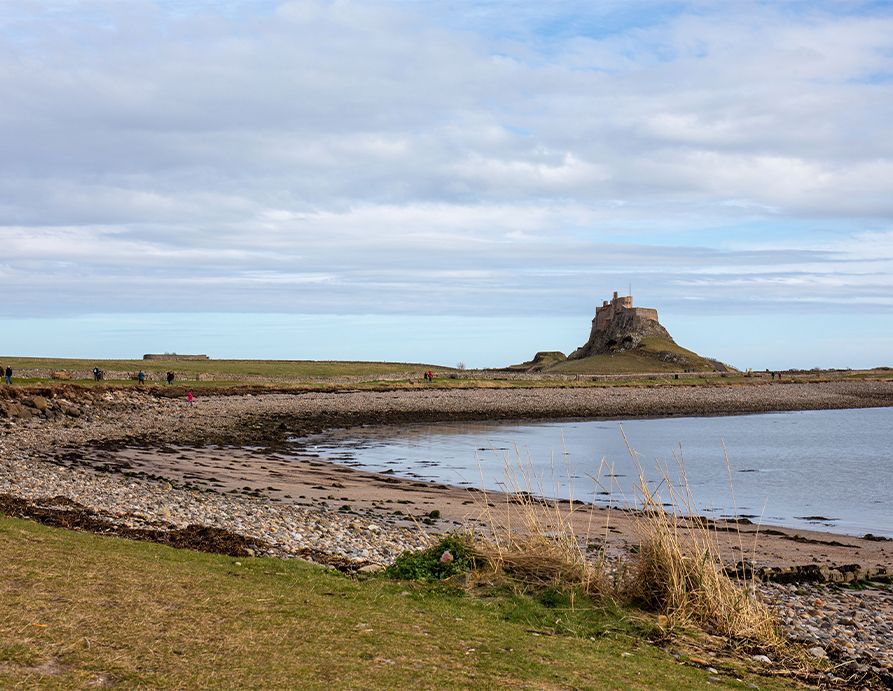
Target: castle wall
pixel 605 314
pixel 645 312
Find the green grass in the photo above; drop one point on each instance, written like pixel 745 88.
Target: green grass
pixel 79 610
pixel 639 360
pixel 305 375
pixel 294 369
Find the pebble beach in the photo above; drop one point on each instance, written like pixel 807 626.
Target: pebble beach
pixel 41 450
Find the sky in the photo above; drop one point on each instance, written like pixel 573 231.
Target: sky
pixel 445 181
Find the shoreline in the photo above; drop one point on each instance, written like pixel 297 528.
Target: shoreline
pixel 130 434
pixel 212 476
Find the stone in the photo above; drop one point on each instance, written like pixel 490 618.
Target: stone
pixel 371 568
pixel 817 652
pixel 761 658
pixel 38 402
pixel 70 409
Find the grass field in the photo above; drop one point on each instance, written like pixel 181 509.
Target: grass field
pixel 295 369
pixel 78 610
pixel 626 369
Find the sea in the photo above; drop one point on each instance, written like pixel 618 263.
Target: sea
pixel 824 469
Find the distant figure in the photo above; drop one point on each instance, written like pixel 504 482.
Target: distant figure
pixel 170 378
pixel 97 374
pixel 8 375
pixel 141 377
pixel 430 375
pixel 425 375
pixel 189 397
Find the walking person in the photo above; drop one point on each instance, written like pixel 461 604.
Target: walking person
pixel 8 374
pixel 170 378
pixel 189 397
pixel 141 377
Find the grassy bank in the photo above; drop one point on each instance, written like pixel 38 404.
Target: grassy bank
pixel 306 375
pixel 79 610
pixel 235 369
pixel 646 358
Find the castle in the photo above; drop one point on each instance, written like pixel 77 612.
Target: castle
pixel 605 314
pixel 618 327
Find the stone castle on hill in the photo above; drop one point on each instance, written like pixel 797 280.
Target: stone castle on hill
pixel 618 327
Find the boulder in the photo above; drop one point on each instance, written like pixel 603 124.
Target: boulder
pixel 39 402
pixel 70 409
pixel 15 410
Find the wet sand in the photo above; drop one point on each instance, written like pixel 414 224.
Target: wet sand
pixel 305 480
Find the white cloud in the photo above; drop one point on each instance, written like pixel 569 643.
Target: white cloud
pixel 307 156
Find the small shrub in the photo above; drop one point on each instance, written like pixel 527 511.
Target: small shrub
pixel 429 564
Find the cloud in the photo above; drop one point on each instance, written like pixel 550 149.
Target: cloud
pixel 470 158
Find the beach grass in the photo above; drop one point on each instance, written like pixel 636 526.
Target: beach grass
pixel 79 609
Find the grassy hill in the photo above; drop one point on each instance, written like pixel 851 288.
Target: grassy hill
pixel 653 354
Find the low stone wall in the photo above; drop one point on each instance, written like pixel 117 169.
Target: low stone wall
pixel 173 356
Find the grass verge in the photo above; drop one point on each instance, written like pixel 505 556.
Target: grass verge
pixel 79 610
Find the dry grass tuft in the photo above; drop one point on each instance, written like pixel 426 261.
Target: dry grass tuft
pixel 541 561
pixel 532 540
pixel 678 573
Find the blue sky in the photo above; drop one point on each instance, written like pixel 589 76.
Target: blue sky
pixel 438 182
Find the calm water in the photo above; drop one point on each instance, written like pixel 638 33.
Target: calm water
pixel 821 469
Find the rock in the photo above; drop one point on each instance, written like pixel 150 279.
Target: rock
pixel 618 327
pixel 817 652
pixel 38 402
pixel 371 568
pixel 761 658
pixel 16 410
pixel 70 409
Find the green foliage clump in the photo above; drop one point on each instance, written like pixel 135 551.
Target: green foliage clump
pixel 428 565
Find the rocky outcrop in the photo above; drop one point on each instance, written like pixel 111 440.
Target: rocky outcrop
pixel 544 359
pixel 619 327
pixel 24 407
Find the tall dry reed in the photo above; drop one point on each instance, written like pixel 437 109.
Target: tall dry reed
pixel 675 571
pixel 533 540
